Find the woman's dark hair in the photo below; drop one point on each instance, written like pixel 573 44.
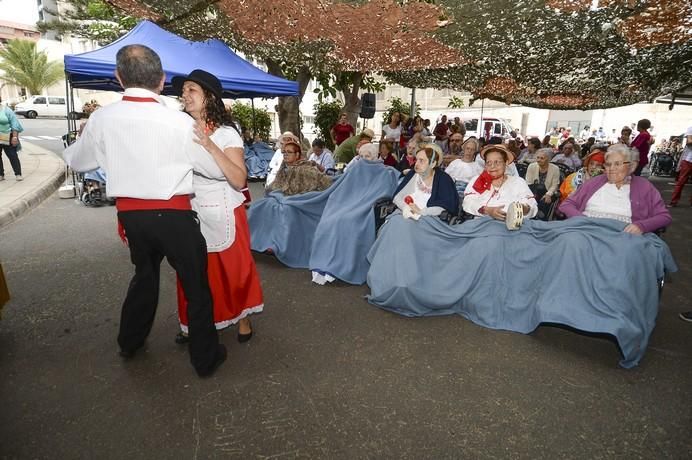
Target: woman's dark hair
pixel 215 111
pixel 388 145
pixel 643 124
pixel 536 142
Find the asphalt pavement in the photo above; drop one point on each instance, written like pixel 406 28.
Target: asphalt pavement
pixel 326 374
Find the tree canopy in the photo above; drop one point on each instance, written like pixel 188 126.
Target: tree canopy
pixel 559 54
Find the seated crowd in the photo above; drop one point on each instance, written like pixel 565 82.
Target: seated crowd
pixel 484 175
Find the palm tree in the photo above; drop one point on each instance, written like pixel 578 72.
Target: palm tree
pixel 24 66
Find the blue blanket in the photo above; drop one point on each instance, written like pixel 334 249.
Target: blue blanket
pixel 584 273
pixel 346 230
pixel 329 231
pixel 257 158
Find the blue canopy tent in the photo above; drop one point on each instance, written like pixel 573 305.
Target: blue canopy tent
pixel 239 79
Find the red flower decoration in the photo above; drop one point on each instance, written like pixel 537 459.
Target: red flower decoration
pixel 408 199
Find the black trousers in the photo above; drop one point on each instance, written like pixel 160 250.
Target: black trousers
pixel 174 234
pixel 11 152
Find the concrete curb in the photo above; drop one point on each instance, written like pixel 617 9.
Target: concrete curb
pixel 31 199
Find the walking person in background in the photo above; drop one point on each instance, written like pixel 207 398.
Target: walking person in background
pixel 149 153
pixel 9 141
pixel 684 170
pixel 235 285
pixel 642 143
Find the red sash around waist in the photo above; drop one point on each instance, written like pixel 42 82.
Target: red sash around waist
pixel 179 202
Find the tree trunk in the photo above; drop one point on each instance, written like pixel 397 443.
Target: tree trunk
pixel 351 99
pixel 288 107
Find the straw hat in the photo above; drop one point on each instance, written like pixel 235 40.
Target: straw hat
pixel 501 148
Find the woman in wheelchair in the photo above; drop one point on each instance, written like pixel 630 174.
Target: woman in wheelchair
pixel 593 166
pixel 427 190
pixel 543 178
pixel 464 169
pixel 491 192
pixel 619 195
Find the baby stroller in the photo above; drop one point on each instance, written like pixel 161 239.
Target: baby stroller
pixel 663 164
pixel 93 190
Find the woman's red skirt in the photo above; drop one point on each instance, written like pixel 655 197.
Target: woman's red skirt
pixel 235 285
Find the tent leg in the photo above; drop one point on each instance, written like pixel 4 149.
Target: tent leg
pixel 254 122
pixel 413 103
pixel 69 103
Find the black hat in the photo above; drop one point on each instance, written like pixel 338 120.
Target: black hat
pixel 202 78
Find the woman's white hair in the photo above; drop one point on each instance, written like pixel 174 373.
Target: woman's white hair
pixel 369 151
pixel 628 154
pixel 548 153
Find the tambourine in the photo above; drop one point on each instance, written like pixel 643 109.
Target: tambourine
pixel 515 216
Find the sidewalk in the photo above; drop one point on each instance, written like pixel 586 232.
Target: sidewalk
pixel 43 172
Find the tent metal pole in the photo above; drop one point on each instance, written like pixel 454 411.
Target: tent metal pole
pixel 69 103
pixel 481 133
pixel 413 103
pixel 254 123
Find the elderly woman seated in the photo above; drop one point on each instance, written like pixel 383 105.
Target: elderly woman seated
pixel 368 152
pixel 619 195
pixel 568 157
pixel 298 176
pixel 427 190
pixel 386 155
pixel 528 155
pixel 593 166
pixel 408 160
pixel 544 179
pixel 464 169
pixel 490 193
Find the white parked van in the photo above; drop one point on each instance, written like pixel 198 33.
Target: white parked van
pixel 490 127
pixel 44 106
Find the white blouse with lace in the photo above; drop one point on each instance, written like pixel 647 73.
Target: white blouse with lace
pixel 611 203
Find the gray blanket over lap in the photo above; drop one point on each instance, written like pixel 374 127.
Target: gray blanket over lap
pixel 329 231
pixel 584 273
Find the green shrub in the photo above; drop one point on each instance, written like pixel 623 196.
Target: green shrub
pixel 397 105
pixel 242 113
pixel 326 116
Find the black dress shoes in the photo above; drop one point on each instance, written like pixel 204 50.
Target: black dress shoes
pixel 220 358
pixel 242 338
pixel 129 354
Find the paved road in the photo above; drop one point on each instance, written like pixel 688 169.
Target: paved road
pixel 44 132
pixel 326 376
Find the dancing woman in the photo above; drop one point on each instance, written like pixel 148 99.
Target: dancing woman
pixel 233 279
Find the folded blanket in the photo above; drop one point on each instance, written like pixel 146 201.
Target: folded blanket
pixel 329 232
pixel 257 158
pixel 584 273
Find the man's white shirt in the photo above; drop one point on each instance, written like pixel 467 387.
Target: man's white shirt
pixel 146 149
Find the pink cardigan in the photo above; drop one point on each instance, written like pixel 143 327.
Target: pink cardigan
pixel 648 210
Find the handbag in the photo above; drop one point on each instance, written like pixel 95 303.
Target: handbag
pixel 4 290
pixel 5 138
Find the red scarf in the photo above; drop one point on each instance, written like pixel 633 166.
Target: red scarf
pixel 484 182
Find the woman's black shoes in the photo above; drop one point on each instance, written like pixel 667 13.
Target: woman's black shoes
pixel 242 338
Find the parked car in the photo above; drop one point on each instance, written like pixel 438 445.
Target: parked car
pixel 492 126
pixel 44 106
